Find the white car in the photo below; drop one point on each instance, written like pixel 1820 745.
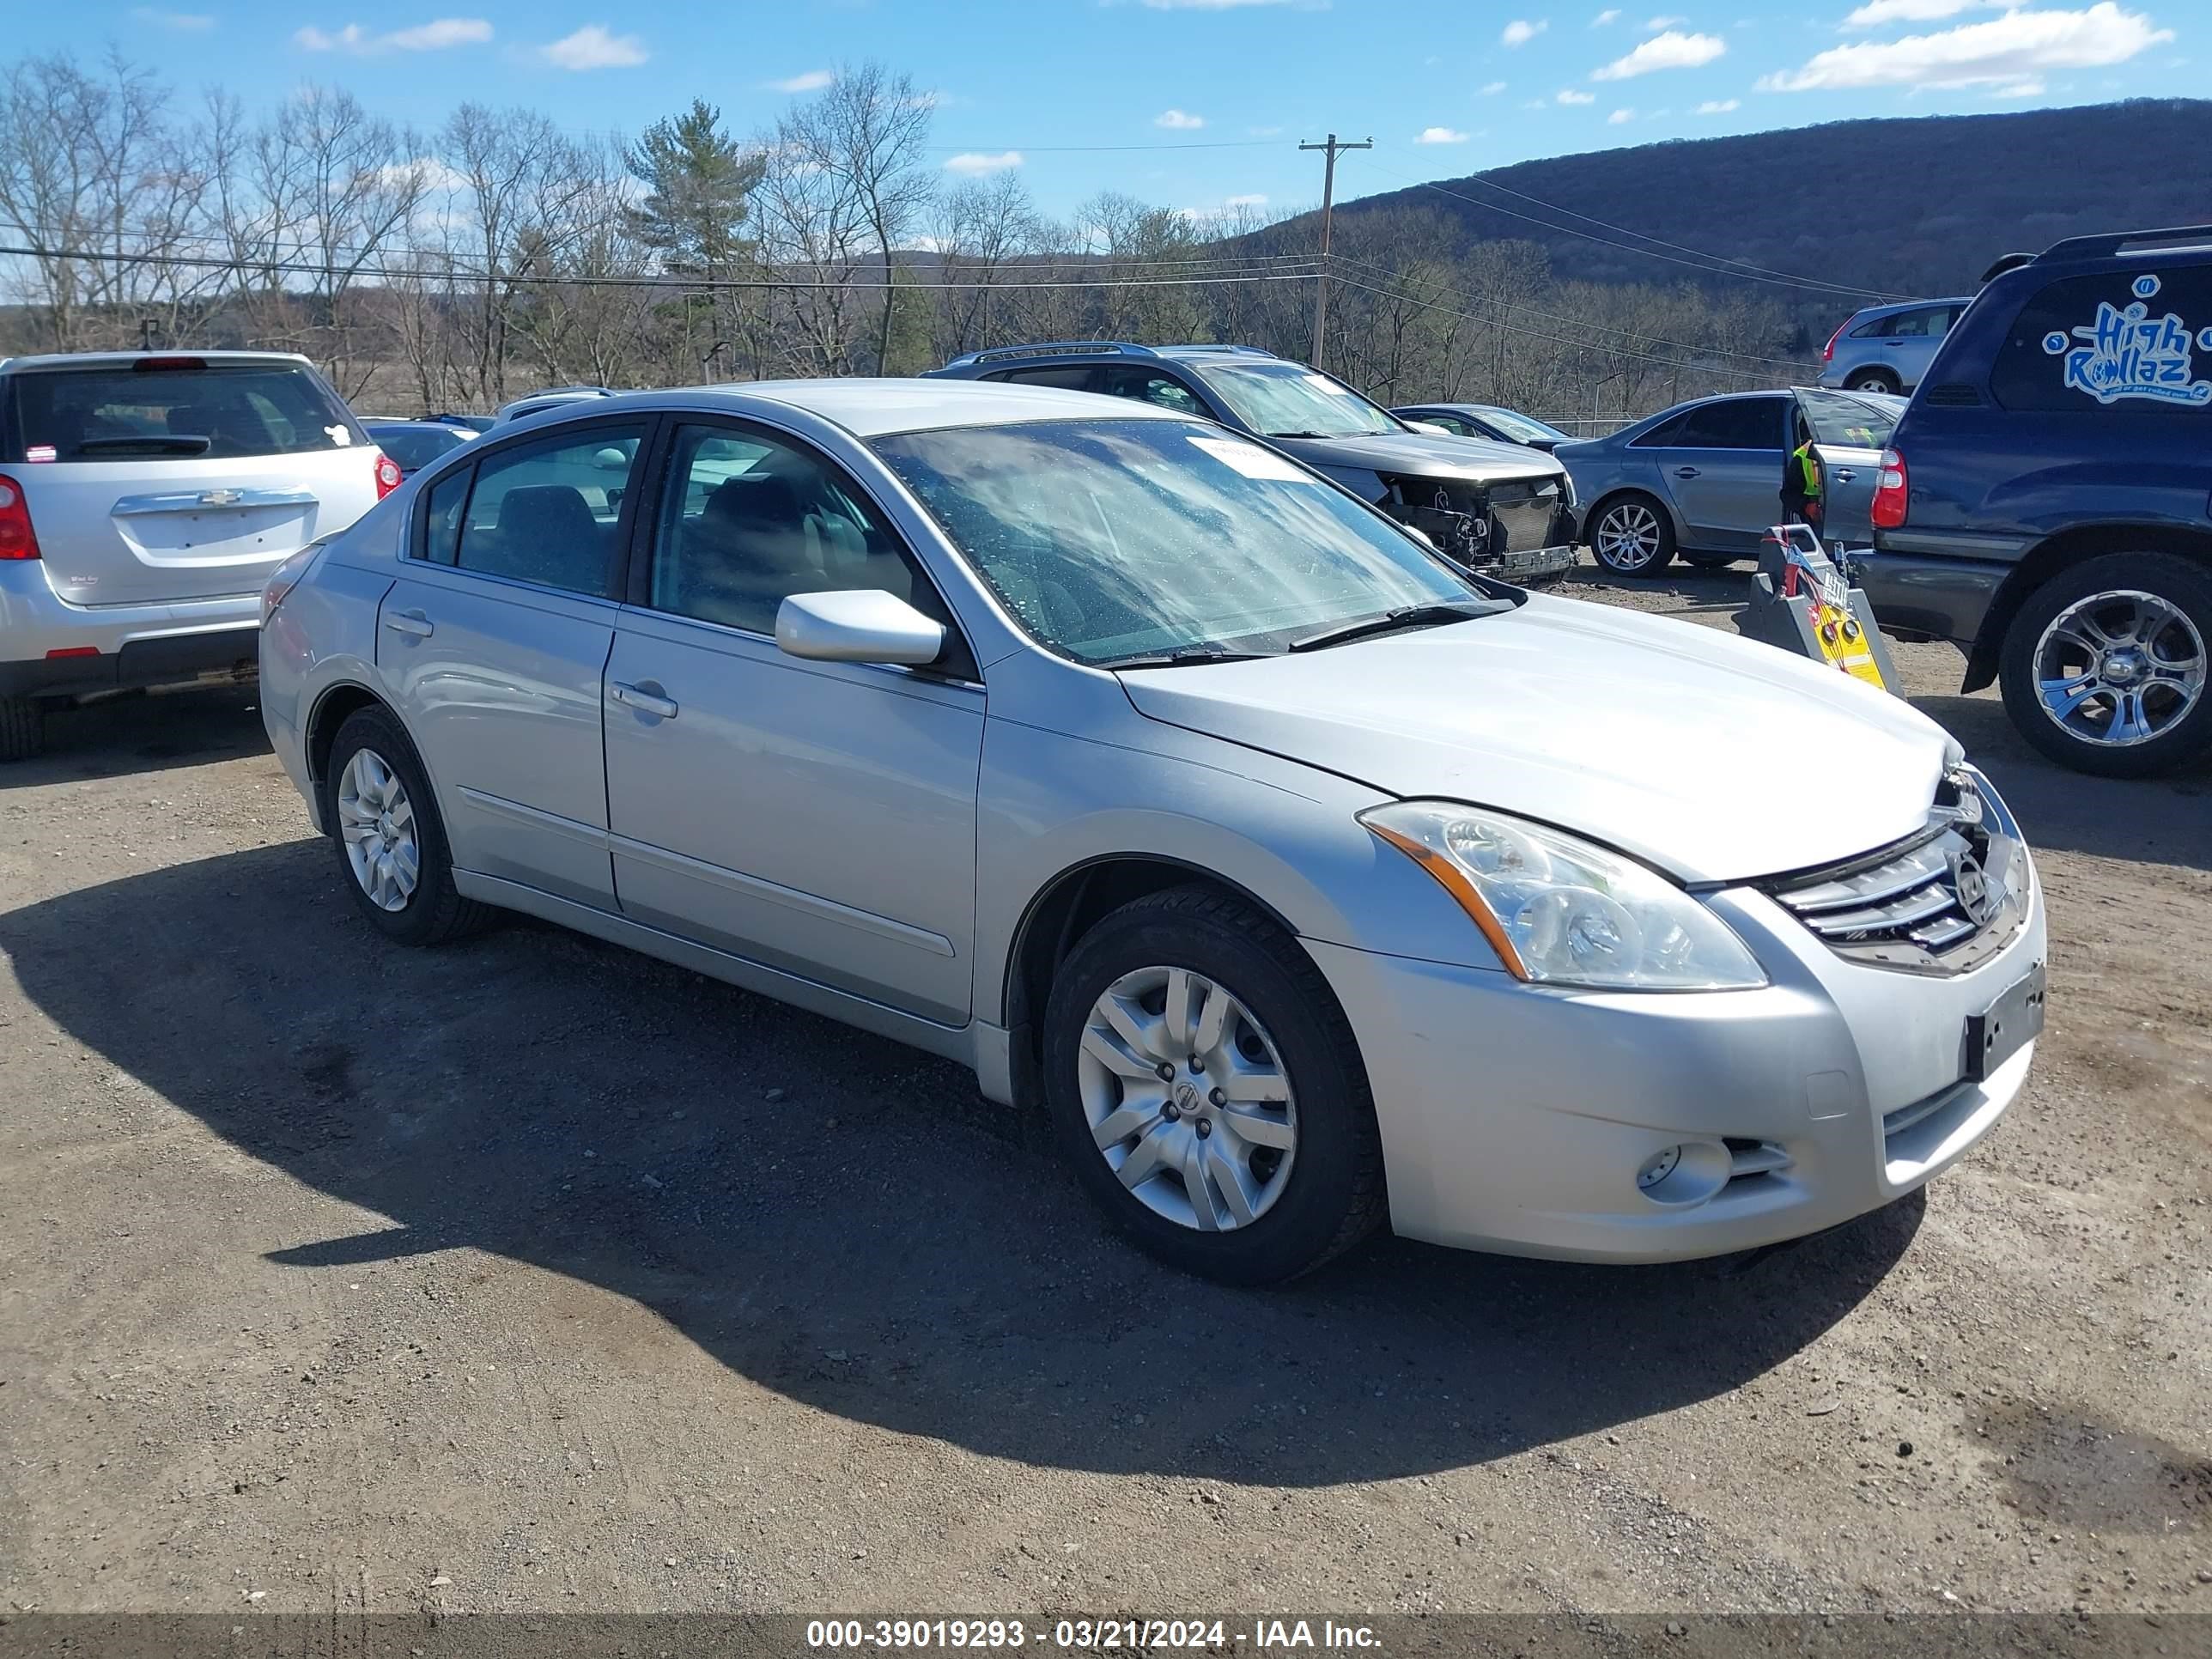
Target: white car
pixel 144 499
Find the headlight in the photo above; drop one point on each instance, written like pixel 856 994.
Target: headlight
pixel 1559 911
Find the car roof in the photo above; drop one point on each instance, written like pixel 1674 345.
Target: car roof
pixel 1913 305
pixel 124 359
pixel 877 408
pixel 1110 351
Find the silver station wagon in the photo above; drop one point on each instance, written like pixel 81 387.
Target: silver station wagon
pixel 1302 880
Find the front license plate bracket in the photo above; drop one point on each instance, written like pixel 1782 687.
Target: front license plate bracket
pixel 2006 1026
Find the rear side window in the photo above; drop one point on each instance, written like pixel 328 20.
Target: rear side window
pixel 1076 378
pixel 1907 324
pixel 2139 340
pixel 549 512
pixel 195 411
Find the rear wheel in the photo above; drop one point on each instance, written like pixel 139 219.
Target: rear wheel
pixel 1874 380
pixel 391 843
pixel 22 729
pixel 1632 535
pixel 1206 1085
pixel 2105 669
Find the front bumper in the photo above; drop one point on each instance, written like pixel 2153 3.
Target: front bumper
pixel 1516 1118
pixel 136 645
pixel 1532 564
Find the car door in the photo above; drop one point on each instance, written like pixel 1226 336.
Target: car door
pixel 1722 466
pixel 493 644
pixel 818 817
pixel 1850 431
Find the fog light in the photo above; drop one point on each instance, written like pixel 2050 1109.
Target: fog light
pixel 1679 1176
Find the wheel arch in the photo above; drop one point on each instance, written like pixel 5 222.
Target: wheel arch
pixel 334 706
pixel 2057 553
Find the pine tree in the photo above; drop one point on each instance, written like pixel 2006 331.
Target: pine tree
pixel 697 178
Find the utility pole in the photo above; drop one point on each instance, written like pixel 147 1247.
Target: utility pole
pixel 1332 149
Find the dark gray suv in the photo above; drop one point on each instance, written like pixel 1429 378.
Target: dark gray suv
pixel 1502 509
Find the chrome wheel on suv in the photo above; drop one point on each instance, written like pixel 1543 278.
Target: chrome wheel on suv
pixel 2105 668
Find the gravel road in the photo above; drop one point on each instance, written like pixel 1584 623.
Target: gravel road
pixel 530 1274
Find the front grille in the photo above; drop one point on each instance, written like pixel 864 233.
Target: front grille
pixel 1939 903
pixel 1477 525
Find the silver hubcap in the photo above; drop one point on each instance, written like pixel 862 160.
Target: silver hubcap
pixel 377 822
pixel 2120 668
pixel 1187 1099
pixel 1628 537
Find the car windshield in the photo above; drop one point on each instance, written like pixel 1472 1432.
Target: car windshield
pixel 1861 420
pixel 1522 429
pixel 1283 400
pixel 1119 539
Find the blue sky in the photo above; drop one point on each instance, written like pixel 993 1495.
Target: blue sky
pixel 1209 97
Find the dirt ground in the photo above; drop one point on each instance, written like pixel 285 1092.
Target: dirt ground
pixel 530 1274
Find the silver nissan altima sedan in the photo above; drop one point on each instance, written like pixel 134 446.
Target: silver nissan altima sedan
pixel 1301 880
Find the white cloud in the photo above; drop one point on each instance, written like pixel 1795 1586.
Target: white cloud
pixel 1606 18
pixel 1670 51
pixel 1719 105
pixel 1439 135
pixel 1621 117
pixel 1568 95
pixel 976 161
pixel 591 47
pixel 1254 200
pixel 2009 50
pixel 810 81
pixel 184 22
pixel 1177 120
pixel 433 36
pixel 1656 24
pixel 1520 32
pixel 1493 89
pixel 1876 13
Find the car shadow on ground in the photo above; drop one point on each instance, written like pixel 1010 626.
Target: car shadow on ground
pixel 126 735
pixel 841 1218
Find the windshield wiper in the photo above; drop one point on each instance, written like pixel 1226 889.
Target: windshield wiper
pixel 1311 434
pixel 1183 656
pixel 1406 616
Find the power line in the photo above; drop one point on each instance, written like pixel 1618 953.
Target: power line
pixel 1718 266
pixel 1097 150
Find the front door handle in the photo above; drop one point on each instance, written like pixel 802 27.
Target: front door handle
pixel 413 624
pixel 1685 472
pixel 646 698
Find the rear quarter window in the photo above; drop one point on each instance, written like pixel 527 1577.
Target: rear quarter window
pixel 203 412
pixel 2139 341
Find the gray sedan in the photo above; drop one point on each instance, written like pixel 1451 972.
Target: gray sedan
pixel 1298 879
pixel 1704 478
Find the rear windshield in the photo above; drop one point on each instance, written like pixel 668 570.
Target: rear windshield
pixel 416 446
pixel 201 413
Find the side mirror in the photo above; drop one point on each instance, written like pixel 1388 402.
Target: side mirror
pixel 857 625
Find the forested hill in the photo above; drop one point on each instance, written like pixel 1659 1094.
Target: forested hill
pixel 1916 207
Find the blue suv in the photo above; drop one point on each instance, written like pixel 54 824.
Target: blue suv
pixel 1504 509
pixel 2046 499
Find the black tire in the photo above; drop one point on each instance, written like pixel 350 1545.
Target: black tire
pixel 435 911
pixel 1625 503
pixel 1711 561
pixel 1874 380
pixel 2182 584
pixel 22 729
pixel 1333 1193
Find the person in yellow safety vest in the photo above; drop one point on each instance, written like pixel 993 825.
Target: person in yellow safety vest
pixel 1801 481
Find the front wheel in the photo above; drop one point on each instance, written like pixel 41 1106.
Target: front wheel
pixel 2105 668
pixel 1206 1085
pixel 1633 535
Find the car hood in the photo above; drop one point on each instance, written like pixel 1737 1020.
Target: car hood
pixel 1714 757
pixel 1476 460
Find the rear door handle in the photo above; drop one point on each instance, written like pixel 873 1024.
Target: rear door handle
pixel 1685 472
pixel 413 624
pixel 646 699
pixel 1845 475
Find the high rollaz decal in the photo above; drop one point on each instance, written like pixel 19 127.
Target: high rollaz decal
pixel 2128 353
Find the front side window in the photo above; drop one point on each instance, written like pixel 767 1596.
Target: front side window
pixel 1119 539
pixel 1284 400
pixel 2128 341
pixel 1148 386
pixel 550 511
pixel 747 520
pixel 178 409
